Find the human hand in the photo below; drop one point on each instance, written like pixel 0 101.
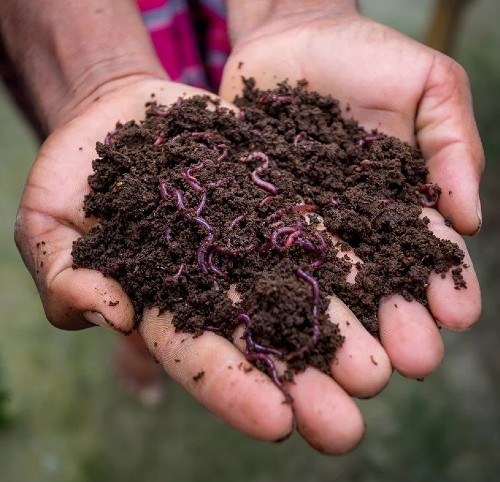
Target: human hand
pixel 402 88
pixel 51 218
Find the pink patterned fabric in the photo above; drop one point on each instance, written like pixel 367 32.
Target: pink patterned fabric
pixel 190 38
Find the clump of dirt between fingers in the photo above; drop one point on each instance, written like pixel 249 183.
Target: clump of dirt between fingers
pixel 197 201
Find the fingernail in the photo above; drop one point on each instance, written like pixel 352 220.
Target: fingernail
pixel 98 319
pixel 479 214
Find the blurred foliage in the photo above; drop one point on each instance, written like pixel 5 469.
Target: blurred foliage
pixel 5 416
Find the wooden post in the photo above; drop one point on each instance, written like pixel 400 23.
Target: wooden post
pixel 444 25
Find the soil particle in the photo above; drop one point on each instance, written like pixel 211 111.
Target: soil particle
pixel 193 201
pixel 199 376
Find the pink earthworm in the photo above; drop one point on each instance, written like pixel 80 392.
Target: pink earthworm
pixel 221 182
pixel 314 314
pixel 211 266
pixel 298 138
pixel 266 200
pixel 429 194
pixel 237 220
pixel 270 188
pixel 367 140
pixel 206 244
pixel 362 165
pixel 282 99
pixel 165 194
pixel 253 357
pixel 255 352
pixel 224 154
pixel 159 111
pixel 159 140
pixel 176 276
pixel 202 204
pixel 110 136
pixel 280 232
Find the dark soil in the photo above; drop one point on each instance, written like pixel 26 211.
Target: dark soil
pixel 188 208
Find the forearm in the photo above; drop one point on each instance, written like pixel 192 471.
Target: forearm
pixel 245 16
pixel 71 52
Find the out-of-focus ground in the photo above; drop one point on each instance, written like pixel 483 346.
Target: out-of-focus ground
pixel 70 422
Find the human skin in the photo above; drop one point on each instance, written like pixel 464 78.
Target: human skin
pixel 90 64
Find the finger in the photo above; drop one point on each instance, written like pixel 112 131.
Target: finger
pixel 326 415
pixel 455 309
pixel 361 364
pixel 448 137
pixel 72 299
pixel 410 336
pixel 216 373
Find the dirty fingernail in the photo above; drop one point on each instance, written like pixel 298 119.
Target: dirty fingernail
pixel 97 318
pixel 479 214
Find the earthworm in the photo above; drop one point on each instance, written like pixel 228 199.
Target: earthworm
pixel 291 238
pixel 175 277
pixel 202 204
pixel 165 194
pixel 207 136
pixel 110 136
pixel 277 214
pixel 270 188
pixel 367 140
pixel 362 165
pixel 190 179
pixel 211 265
pixel 323 245
pixel 279 232
pixel 282 99
pixel 163 189
pixel 298 138
pixel 207 242
pixel 255 352
pixel 303 208
pixel 252 357
pixel 181 203
pixel 223 156
pixel 429 194
pixel 251 345
pixel 225 251
pixel 317 263
pixel 195 184
pixel 159 140
pixel 266 200
pixel 221 182
pixel 236 220
pixel 159 111
pixel 314 313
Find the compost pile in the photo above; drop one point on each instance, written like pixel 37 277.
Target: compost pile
pixel 198 201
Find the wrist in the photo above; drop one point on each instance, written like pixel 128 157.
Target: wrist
pixel 70 53
pixel 246 18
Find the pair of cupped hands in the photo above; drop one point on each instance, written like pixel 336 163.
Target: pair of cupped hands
pixel 391 83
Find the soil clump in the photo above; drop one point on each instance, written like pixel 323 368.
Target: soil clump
pixel 197 201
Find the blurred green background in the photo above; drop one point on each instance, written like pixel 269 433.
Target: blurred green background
pixel 64 418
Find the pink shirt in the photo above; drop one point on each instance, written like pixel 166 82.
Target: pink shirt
pixel 190 38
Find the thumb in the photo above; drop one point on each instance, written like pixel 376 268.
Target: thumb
pixel 447 134
pixel 72 299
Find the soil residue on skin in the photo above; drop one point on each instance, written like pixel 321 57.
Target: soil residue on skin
pixel 196 202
